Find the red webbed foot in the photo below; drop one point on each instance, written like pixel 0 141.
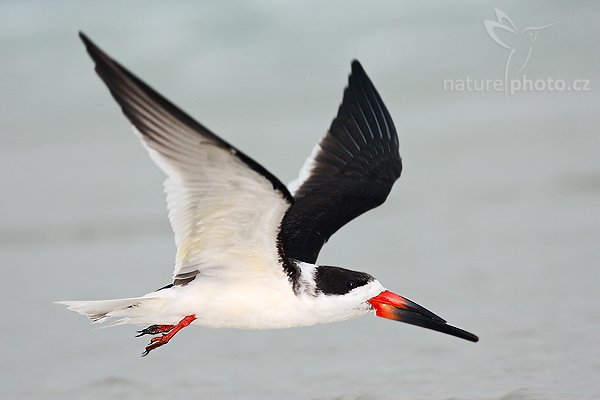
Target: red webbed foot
pixel 170 330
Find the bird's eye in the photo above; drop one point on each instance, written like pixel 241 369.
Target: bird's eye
pixel 351 284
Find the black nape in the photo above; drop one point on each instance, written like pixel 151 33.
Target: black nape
pixel 339 281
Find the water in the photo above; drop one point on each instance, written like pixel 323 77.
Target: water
pixel 494 224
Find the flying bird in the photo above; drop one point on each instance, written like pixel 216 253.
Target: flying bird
pixel 247 244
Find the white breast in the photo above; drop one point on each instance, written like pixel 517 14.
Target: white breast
pixel 263 301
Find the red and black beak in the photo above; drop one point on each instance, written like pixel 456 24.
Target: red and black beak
pixel 390 305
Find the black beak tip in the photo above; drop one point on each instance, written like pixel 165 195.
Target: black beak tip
pixel 472 338
pixel 454 331
pixel 433 324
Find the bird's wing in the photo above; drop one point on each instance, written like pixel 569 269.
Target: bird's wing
pixel 225 209
pixel 504 35
pixel 349 172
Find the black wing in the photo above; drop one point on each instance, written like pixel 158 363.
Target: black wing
pixel 140 111
pixel 351 171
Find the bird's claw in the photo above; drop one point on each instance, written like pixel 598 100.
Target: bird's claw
pixel 168 331
pixel 157 339
pixel 155 330
pixel 155 343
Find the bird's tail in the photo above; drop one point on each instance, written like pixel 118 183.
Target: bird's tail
pixel 118 311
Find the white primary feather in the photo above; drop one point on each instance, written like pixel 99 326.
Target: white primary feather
pixel 225 216
pixel 306 170
pixel 222 205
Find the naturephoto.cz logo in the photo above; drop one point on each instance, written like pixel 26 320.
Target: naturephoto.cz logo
pixel 519 46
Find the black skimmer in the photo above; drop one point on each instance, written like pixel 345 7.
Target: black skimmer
pixel 247 244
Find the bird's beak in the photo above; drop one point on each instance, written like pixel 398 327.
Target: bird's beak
pixel 539 28
pixel 392 306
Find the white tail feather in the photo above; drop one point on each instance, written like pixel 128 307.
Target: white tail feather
pixel 133 310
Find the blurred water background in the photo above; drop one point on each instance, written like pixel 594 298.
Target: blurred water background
pixel 495 223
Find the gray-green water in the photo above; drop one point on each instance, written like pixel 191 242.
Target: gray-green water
pixel 495 223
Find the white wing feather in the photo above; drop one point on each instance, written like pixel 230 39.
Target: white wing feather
pixel 222 212
pixel 224 208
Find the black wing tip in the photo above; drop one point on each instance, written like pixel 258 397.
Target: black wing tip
pixel 83 37
pixel 355 64
pixel 115 75
pixel 358 74
pixel 93 50
pixel 89 45
pixel 357 69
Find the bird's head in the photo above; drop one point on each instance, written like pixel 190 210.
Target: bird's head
pixel 531 32
pixel 351 293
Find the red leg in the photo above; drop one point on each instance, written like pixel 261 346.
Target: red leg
pixel 164 339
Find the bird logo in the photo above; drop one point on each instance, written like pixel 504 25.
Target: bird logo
pixel 504 32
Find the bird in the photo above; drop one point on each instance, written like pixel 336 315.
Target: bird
pixel 247 245
pixel 504 32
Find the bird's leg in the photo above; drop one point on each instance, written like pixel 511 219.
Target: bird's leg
pixel 155 330
pixel 165 337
